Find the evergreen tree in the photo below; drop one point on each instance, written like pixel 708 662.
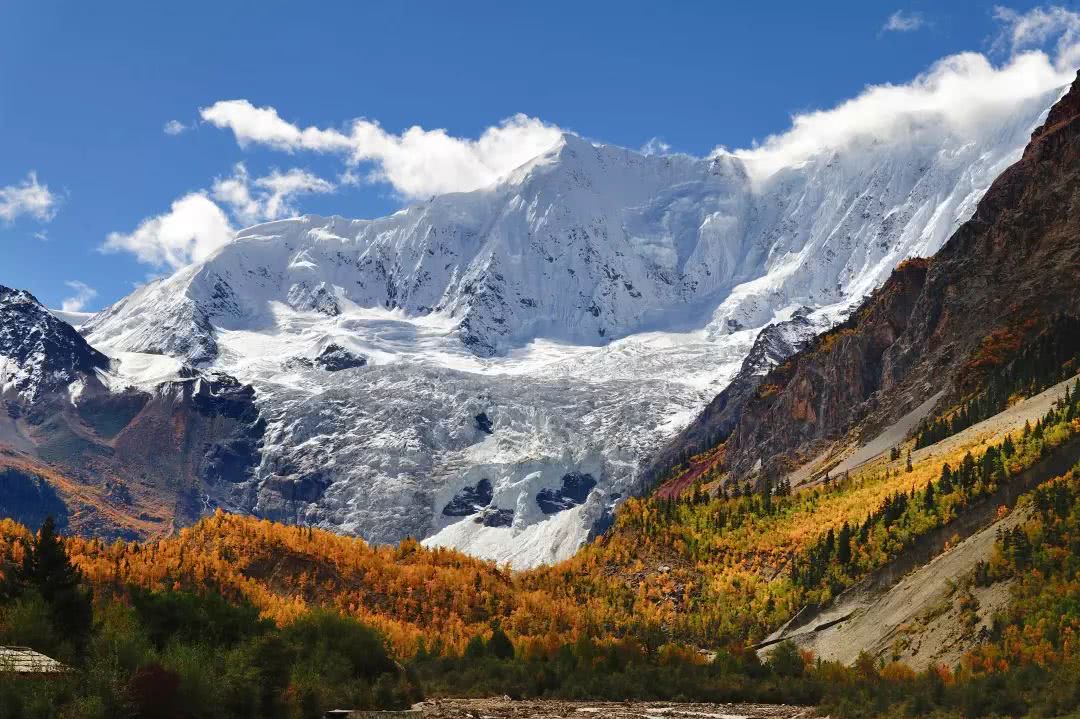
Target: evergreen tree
pixel 499 645
pixel 47 570
pixel 945 484
pixel 843 546
pixel 475 649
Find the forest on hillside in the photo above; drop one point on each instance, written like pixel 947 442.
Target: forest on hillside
pixel 171 652
pixel 241 617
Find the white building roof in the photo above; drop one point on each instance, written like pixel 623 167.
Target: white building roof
pixel 24 660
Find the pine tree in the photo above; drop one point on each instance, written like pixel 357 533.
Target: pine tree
pixel 499 645
pixel 907 466
pixel 843 546
pixel 945 484
pixel 47 570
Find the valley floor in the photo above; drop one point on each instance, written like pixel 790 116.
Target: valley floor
pixel 506 708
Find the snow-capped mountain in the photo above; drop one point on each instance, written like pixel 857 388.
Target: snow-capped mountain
pixel 490 370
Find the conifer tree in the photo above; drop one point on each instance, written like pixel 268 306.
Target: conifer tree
pixel 945 483
pixel 843 545
pixel 47 570
pixel 499 645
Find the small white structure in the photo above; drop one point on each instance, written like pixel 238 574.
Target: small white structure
pixel 25 661
pixel 413 713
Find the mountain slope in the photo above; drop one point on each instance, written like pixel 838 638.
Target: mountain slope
pixel 132 446
pixel 944 325
pixel 587 307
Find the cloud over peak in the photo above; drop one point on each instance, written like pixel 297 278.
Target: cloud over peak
pixel 269 197
pixel 190 231
pixel 200 222
pixel 417 163
pixel 954 95
pixel 1035 54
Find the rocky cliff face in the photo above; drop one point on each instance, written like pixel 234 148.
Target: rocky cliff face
pixel 936 325
pixel 773 345
pixel 101 451
pixel 38 352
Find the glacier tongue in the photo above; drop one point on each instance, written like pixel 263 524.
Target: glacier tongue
pixel 489 370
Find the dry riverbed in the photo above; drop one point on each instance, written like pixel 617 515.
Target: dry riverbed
pixel 552 709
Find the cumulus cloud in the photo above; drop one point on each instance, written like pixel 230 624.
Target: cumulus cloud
pixel 417 163
pixel 192 229
pixel 29 197
pixel 954 95
pixel 901 21
pixel 83 294
pixel 174 127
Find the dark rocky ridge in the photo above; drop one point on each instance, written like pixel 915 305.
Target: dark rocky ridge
pixel 935 324
pixel 48 350
pixel 115 462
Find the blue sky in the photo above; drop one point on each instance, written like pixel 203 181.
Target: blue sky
pixel 86 91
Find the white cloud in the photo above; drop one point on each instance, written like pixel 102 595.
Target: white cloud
pixel 900 21
pixel 281 187
pixel 655 146
pixel 954 95
pixel 195 226
pixel 175 127
pixel 350 178
pixel 263 126
pixel 192 229
pixel 269 197
pixel 417 163
pixel 1038 27
pixel 83 294
pixel 27 198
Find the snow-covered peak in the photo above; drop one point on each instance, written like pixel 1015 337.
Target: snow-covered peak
pixel 588 243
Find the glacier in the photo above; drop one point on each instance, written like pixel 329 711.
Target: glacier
pixel 491 370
